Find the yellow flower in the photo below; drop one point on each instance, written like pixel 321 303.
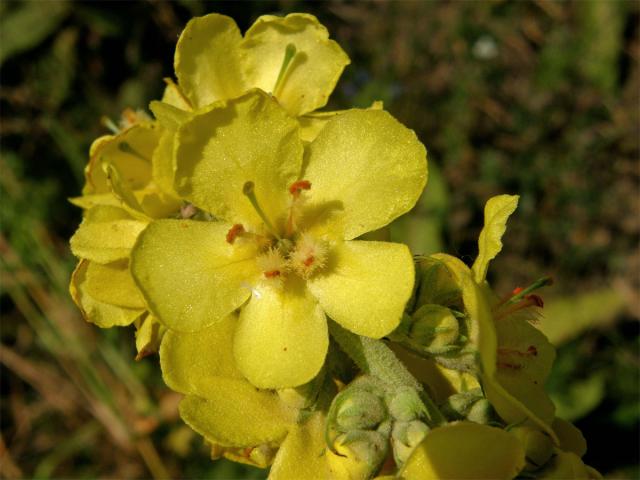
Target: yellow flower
pixel 230 413
pixel 290 57
pixel 121 195
pixel 283 248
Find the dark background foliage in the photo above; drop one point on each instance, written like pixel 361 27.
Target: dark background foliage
pixel 538 98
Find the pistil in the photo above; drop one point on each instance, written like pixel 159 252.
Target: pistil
pixel 289 53
pixel 249 191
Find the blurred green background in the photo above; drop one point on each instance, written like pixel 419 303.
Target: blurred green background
pixel 537 98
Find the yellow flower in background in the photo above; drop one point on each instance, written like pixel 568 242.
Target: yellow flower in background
pixel 120 197
pixel 283 249
pixel 290 57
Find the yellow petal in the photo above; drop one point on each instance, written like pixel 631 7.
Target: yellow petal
pixel 247 139
pixel 173 96
pixel 130 151
pixel 92 200
pixel 112 283
pixel 303 453
pixel 496 213
pixel 465 450
pixel 365 169
pixel 571 438
pixel 312 123
pixel 207 61
pixel 567 466
pixel 365 286
pixel 149 333
pixel 233 413
pixel 103 315
pixel 282 338
pixel 314 70
pixel 189 275
pixel 106 234
pixel 191 359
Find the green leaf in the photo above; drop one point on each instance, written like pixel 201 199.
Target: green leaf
pixel 496 213
pixel 28 25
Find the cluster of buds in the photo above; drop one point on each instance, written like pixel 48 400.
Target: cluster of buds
pixel 227 228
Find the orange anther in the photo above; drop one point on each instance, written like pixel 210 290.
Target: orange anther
pixel 517 290
pixel 272 274
pixel 309 261
pixel 535 300
pixel 297 187
pixel 532 350
pixel 233 232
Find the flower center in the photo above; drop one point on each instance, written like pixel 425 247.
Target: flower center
pixel 298 253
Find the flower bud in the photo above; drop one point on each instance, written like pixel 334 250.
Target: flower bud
pixel 360 410
pixel 406 405
pixel 406 436
pixel 357 455
pixel 470 405
pixel 537 445
pixel 434 327
pixel 436 285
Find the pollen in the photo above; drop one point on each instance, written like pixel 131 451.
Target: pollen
pixel 296 188
pixel 273 266
pixel 309 256
pixel 234 232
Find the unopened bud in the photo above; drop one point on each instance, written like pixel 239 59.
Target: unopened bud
pixel 357 455
pixel 470 405
pixel 360 410
pixel 436 284
pixel 406 405
pixel 538 446
pixel 434 327
pixel 405 437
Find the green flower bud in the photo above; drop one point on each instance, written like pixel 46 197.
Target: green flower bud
pixel 471 405
pixel 360 410
pixel 406 405
pixel 357 455
pixel 434 327
pixel 537 445
pixel 436 285
pixel 405 437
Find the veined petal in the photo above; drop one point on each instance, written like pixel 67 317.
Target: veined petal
pixel 366 169
pixel 365 285
pixel 282 338
pixel 207 61
pixel 106 234
pixel 102 314
pixel 314 70
pixel 189 275
pixel 191 359
pixel 113 284
pixel 247 139
pixel 233 413
pixel 303 453
pixel 465 450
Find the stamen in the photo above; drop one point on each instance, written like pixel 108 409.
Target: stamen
pixel 234 232
pixel 296 187
pixel 273 265
pixel 309 256
pixel 289 53
pixel 109 124
pixel 249 191
pixel 524 292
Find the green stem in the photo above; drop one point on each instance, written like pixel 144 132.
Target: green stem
pixel 375 358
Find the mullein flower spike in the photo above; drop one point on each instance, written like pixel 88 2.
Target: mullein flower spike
pixel 227 230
